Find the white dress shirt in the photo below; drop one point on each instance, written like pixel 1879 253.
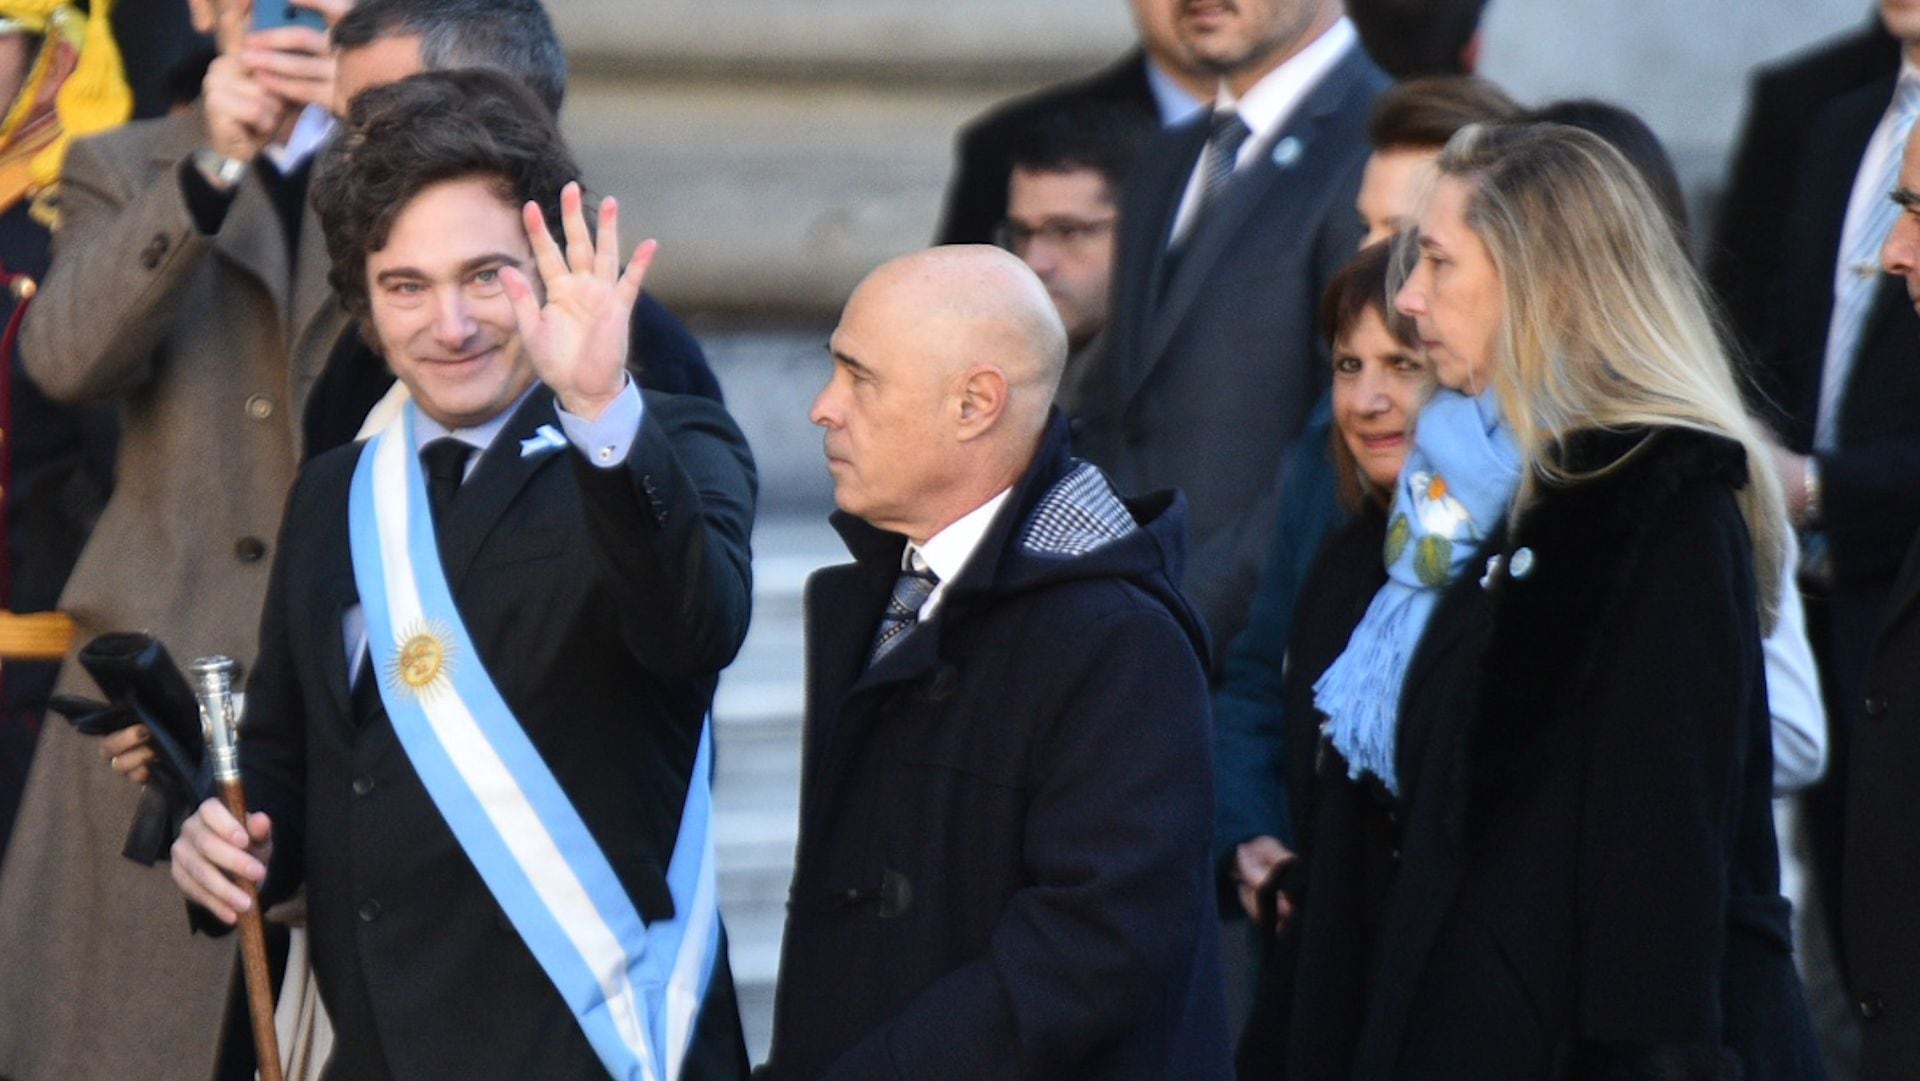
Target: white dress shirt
pixel 1267 106
pixel 1170 99
pixel 946 552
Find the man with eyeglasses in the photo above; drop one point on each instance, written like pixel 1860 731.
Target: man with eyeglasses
pixel 1062 205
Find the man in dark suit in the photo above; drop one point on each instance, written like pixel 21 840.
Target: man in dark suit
pixel 1158 81
pixel 1227 241
pixel 1004 795
pixel 597 578
pixel 1839 384
pixel 1744 255
pixel 1883 830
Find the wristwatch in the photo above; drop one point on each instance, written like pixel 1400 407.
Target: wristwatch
pixel 221 171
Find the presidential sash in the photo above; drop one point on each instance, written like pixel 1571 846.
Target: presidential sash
pixel 635 989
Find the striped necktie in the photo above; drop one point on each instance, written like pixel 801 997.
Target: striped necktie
pixel 1858 278
pixel 910 592
pixel 1223 152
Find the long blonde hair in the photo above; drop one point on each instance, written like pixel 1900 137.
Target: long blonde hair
pixel 1606 324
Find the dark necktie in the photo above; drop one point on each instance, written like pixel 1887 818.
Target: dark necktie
pixel 1223 148
pixel 445 460
pixel 910 591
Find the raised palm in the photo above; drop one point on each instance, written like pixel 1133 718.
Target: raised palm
pixel 577 339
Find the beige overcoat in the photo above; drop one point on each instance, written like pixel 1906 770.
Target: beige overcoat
pixel 210 346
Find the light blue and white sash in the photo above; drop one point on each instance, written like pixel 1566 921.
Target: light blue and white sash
pixel 635 989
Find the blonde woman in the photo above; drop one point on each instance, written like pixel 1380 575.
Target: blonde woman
pixel 1542 838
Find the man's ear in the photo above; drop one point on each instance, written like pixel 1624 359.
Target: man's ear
pixel 982 399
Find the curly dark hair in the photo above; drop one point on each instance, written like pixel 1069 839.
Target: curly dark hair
pixel 405 137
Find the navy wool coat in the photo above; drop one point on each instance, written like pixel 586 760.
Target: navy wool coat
pixel 1002 867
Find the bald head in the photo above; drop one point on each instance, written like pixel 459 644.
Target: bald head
pixel 945 364
pixel 969 303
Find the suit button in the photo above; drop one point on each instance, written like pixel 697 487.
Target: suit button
pixel 1876 705
pixel 156 250
pixel 369 910
pixel 362 785
pixel 249 549
pixel 259 406
pixel 1870 1008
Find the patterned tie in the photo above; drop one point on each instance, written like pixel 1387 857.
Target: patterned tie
pixel 1223 149
pixel 1859 272
pixel 445 460
pixel 910 591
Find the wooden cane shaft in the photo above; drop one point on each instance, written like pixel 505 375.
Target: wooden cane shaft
pixel 253 954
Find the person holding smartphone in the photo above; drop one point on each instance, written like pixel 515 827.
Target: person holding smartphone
pixel 188 287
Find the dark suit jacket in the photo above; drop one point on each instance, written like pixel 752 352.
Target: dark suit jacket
pixel 1584 880
pixel 977 194
pixel 1743 258
pixel 1212 365
pixel 603 604
pixel 1871 481
pixel 1882 879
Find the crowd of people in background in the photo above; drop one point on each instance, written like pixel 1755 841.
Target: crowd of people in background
pixel 1336 590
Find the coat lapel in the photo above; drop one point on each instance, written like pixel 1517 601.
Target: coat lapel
pixel 494 484
pixel 1259 186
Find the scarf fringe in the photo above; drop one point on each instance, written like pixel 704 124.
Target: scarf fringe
pixel 1360 691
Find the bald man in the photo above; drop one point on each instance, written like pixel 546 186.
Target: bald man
pixel 1006 796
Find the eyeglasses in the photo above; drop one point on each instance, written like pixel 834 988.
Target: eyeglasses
pixel 1017 237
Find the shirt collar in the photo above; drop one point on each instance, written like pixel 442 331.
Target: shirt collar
pixel 947 551
pixel 1170 100
pixel 1269 102
pixel 309 134
pixel 479 436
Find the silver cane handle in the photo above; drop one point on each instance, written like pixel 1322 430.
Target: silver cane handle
pixel 213 679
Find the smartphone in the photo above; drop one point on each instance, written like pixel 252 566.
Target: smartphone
pixel 273 14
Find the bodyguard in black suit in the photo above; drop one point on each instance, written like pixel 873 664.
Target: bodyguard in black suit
pixel 1866 492
pixel 1882 884
pixel 1744 256
pixel 1005 797
pixel 1214 358
pixel 601 576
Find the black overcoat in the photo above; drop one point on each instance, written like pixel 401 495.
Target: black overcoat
pixel 1002 865
pixel 1584 880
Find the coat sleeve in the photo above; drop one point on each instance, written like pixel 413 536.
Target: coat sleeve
pixel 1110 936
pixel 1250 761
pixel 672 530
pixel 121 259
pixel 1670 726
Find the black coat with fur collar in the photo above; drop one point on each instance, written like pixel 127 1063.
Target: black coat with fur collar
pixel 1586 882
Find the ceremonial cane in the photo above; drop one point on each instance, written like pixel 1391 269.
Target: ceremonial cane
pixel 213 685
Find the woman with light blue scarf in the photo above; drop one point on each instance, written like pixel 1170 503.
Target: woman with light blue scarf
pixel 1541 843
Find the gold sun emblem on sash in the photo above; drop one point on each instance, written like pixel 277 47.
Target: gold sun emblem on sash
pixel 422 660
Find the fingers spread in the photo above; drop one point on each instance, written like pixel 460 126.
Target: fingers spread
pixel 546 254
pixel 574 221
pixel 635 277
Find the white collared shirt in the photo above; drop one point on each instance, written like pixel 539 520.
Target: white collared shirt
pixel 309 134
pixel 1268 105
pixel 946 552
